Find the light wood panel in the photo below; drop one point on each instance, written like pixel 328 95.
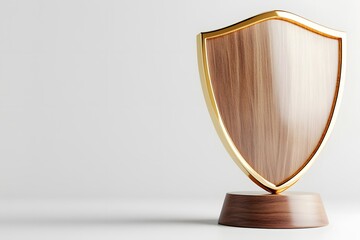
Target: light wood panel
pixel 274 84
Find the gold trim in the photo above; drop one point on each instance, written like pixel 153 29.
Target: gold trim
pixel 214 111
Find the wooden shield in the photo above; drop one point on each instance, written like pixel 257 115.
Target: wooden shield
pixel 272 84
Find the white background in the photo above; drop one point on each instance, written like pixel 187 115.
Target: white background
pixel 102 100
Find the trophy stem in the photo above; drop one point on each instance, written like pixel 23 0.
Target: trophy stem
pixel 287 210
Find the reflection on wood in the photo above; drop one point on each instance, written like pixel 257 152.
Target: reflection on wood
pixel 289 210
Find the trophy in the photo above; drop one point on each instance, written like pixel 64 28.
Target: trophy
pixel 272 84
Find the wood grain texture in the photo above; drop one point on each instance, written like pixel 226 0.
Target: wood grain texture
pixel 291 210
pixel 275 85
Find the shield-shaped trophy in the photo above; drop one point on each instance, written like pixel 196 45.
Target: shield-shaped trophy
pixel 273 84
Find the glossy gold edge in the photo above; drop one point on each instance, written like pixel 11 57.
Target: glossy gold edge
pixel 214 111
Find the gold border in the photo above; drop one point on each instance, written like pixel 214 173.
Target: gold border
pixel 214 111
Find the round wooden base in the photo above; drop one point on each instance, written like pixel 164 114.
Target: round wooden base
pixel 286 210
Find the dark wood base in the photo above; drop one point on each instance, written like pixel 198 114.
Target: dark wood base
pixel 286 210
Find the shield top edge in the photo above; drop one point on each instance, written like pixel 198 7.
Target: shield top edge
pixel 276 15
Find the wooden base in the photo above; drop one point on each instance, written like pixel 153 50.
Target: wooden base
pixel 287 210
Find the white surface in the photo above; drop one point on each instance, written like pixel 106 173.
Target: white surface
pixel 151 219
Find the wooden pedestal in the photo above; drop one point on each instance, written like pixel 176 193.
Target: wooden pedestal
pixel 287 210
